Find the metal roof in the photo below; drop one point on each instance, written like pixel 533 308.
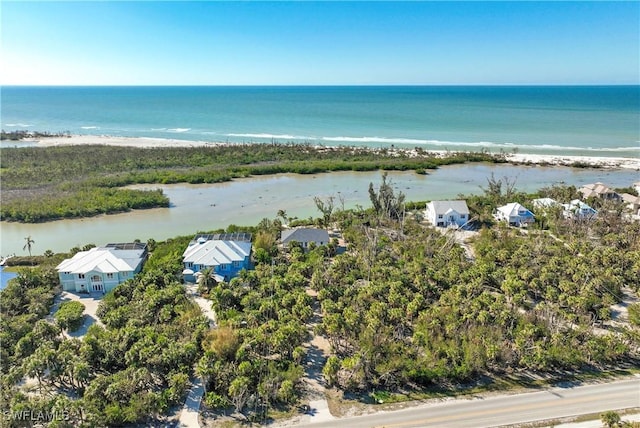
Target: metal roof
pixel 103 259
pixel 442 207
pixel 216 252
pixel 305 235
pixel 514 209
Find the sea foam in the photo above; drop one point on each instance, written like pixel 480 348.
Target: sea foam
pixel 272 136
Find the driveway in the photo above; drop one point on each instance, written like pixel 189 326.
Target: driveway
pixel 90 303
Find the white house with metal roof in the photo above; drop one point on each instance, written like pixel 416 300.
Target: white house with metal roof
pixel 101 269
pixel 545 203
pixel 225 254
pixel 578 210
pixel 447 213
pixel 515 214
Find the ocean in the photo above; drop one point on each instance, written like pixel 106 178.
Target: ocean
pixel 566 120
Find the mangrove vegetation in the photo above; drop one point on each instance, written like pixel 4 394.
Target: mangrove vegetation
pixel 42 184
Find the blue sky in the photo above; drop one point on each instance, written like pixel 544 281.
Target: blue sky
pixel 319 43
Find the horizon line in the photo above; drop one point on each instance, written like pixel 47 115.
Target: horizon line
pixel 320 85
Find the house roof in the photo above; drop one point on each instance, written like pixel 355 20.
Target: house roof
pixel 216 252
pixel 444 207
pixel 513 210
pixel 579 205
pixel 595 189
pixel 103 259
pixel 544 203
pixel 235 236
pixel 631 199
pixel 304 235
pixel 127 246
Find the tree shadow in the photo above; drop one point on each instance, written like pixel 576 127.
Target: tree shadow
pixel 314 362
pixel 88 321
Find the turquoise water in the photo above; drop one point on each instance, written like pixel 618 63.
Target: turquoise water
pixel 591 120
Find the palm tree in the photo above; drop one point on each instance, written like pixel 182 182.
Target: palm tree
pixel 27 246
pixel 283 215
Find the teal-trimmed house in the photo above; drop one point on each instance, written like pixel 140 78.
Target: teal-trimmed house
pixel 225 253
pixel 515 214
pixel 101 269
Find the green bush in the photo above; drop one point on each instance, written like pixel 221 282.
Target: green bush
pixel 69 315
pixel 634 314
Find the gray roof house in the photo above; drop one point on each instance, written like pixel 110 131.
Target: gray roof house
pixel 305 236
pixel 447 213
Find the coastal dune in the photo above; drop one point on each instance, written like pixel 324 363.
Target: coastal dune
pixel 526 158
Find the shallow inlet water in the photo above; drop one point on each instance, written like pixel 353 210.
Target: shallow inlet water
pixel 246 201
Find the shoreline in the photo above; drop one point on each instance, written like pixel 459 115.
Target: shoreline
pixel 150 142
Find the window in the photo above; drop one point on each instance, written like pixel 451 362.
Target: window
pixel 236 264
pixel 80 276
pixel 224 267
pixel 463 216
pixel 439 215
pixel 109 276
pixel 189 264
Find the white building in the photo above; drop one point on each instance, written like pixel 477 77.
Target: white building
pixel 514 214
pixel 447 213
pixel 578 210
pixel 101 269
pixel 545 203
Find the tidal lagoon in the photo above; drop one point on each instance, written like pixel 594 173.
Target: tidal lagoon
pixel 246 201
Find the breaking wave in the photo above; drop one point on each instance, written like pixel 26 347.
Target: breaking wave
pixel 434 143
pixel 272 136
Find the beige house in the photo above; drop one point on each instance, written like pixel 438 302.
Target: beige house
pixel 632 202
pixel 598 190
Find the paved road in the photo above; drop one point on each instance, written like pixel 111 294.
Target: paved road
pixel 504 410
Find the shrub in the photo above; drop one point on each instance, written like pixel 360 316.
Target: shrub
pixel 634 314
pixel 69 315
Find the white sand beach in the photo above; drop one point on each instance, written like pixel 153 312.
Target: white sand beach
pixel 603 162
